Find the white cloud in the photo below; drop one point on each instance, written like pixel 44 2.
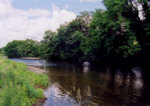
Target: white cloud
pixel 66 6
pixel 22 24
pixel 90 0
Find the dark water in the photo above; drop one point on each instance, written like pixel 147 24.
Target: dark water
pixel 103 85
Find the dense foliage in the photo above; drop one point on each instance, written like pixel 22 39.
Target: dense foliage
pixel 2 52
pixel 121 31
pixel 117 32
pixel 18 86
pixel 27 48
pixel 66 44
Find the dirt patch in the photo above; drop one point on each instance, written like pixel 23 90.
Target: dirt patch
pixel 36 70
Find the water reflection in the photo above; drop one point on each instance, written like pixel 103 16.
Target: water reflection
pixel 56 95
pixel 104 86
pixel 33 62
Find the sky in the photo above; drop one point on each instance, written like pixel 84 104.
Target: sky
pixel 22 19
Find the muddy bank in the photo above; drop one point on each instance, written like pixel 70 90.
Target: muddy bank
pixel 40 102
pixel 36 70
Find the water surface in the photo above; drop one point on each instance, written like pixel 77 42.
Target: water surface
pixel 106 85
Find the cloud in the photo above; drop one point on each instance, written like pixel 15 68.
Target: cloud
pixel 17 24
pixel 90 0
pixel 66 6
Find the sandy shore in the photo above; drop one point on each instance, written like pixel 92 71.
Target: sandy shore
pixel 36 70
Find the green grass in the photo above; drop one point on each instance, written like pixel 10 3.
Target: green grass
pixel 18 86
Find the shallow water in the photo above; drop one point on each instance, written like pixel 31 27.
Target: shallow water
pixel 35 62
pixel 106 85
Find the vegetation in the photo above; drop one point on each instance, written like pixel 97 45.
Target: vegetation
pixel 117 32
pixel 18 86
pixel 27 48
pixel 2 52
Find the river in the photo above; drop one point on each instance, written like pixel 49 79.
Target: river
pixel 103 85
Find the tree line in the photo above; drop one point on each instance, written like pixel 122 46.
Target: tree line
pixel 22 48
pixel 117 32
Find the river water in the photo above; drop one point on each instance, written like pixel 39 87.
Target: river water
pixel 102 85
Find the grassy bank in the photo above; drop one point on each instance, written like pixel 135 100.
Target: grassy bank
pixel 18 86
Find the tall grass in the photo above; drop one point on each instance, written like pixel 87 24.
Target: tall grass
pixel 18 86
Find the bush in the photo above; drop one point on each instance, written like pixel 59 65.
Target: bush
pixel 18 86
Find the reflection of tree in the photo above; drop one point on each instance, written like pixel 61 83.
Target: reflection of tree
pixel 145 67
pixel 105 87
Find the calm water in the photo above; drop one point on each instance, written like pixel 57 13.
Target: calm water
pixel 103 85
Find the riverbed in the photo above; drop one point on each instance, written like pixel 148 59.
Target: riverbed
pixel 103 85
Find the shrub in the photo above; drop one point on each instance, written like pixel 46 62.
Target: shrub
pixel 18 86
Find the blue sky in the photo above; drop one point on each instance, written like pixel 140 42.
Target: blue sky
pixel 73 5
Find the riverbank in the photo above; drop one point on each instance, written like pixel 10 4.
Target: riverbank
pixel 18 85
pixel 36 70
pixel 31 58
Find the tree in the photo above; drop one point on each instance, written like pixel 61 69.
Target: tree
pixel 66 43
pixel 20 48
pixel 110 32
pixel 11 49
pixel 117 32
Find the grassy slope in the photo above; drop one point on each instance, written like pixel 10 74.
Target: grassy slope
pixel 18 86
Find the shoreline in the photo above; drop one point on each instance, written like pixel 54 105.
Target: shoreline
pixel 28 81
pixel 31 58
pixel 36 69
